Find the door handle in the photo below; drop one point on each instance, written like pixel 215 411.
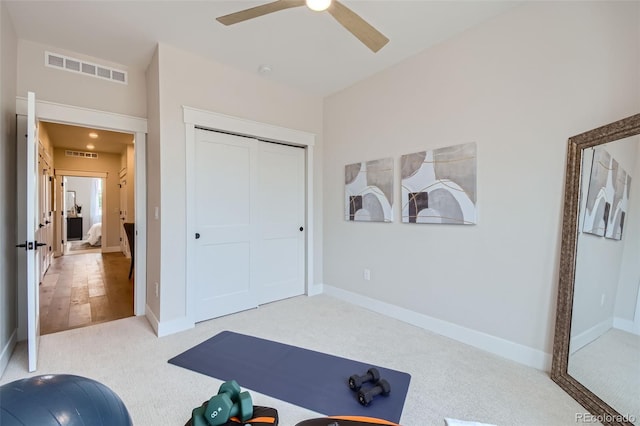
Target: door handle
pixel 40 244
pixel 301 229
pixel 24 246
pixel 40 225
pixel 197 236
pixel 46 222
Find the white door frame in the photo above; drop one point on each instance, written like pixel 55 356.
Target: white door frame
pixel 214 121
pixel 78 116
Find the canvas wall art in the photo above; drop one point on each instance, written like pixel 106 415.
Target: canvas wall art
pixel 369 191
pixel 439 186
pixel 607 197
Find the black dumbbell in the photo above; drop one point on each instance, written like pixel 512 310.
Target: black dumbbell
pixel 382 387
pixel 356 382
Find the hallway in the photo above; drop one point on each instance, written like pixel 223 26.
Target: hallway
pixel 85 289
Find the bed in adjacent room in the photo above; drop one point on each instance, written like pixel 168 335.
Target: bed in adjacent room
pixel 95 234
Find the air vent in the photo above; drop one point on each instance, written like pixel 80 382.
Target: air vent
pixel 67 63
pixel 89 69
pixel 81 154
pixel 72 64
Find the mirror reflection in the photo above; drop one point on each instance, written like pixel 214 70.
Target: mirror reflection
pixel 70 203
pixel 604 350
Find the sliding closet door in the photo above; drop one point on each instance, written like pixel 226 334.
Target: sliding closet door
pixel 250 210
pixel 226 180
pixel 281 213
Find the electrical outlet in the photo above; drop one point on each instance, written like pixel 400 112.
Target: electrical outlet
pixel 157 289
pixel 367 275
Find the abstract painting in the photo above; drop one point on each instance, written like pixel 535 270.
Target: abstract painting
pixel 599 195
pixel 439 186
pixel 369 191
pixel 607 197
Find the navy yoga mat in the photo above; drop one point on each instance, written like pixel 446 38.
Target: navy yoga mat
pixel 310 379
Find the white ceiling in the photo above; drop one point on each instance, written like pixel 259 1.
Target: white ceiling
pixel 305 49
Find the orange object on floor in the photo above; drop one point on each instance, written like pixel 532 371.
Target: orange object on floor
pixel 346 421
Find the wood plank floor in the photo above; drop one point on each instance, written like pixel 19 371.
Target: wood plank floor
pixel 84 289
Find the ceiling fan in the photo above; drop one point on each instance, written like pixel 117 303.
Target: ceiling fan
pixel 360 28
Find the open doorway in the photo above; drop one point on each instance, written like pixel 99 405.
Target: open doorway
pixel 88 280
pixel 83 211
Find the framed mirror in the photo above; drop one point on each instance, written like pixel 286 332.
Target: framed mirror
pixel 596 352
pixel 70 203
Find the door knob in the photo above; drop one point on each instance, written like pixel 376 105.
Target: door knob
pixel 301 229
pixel 197 235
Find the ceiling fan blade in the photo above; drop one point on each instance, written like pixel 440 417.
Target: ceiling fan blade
pixel 357 26
pixel 257 11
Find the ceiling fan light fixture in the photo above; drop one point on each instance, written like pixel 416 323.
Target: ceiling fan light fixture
pixel 318 5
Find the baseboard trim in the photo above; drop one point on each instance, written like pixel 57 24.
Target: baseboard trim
pixel 113 249
pixel 165 328
pixel 177 325
pixel 315 289
pixel 7 350
pixel 151 317
pixel 588 336
pixel 514 351
pixel 626 325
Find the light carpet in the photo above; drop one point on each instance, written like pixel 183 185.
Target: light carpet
pixel 449 379
pixel 616 376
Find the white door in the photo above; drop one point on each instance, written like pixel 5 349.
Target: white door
pixel 250 209
pixel 225 223
pixel 28 210
pixel 281 211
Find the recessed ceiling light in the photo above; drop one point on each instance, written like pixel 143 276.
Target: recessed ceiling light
pixel 90 146
pixel 93 135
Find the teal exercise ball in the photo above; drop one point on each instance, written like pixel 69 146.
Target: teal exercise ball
pixel 61 400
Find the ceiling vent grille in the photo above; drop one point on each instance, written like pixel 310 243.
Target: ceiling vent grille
pixel 81 154
pixel 79 66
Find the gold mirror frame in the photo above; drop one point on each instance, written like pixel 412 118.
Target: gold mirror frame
pixel 621 129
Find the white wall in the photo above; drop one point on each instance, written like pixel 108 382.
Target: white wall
pixel 599 259
pixel 519 86
pixel 153 185
pixel 187 79
pixel 8 314
pixel 51 84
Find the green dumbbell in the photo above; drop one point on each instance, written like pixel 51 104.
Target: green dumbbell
pixel 220 409
pixel 229 402
pixel 230 388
